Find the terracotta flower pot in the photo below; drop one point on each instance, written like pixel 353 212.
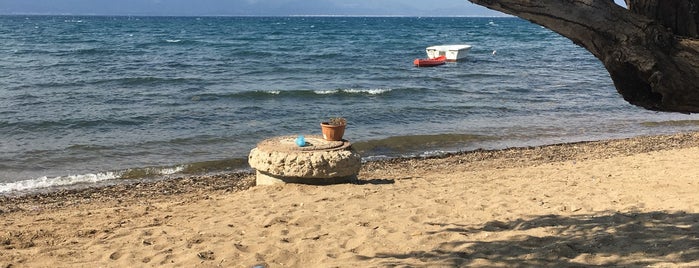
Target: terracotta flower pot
pixel 332 132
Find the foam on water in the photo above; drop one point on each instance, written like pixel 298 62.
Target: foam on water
pixel 46 182
pixel 326 92
pixel 172 170
pixel 52 182
pixel 374 91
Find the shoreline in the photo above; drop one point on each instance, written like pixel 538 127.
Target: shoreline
pixel 613 202
pixel 242 180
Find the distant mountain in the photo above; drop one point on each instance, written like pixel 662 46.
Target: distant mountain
pixel 246 7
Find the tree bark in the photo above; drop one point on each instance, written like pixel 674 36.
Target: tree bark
pixel 680 16
pixel 648 49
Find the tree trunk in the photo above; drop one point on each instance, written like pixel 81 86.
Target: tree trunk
pixel 647 49
pixel 680 16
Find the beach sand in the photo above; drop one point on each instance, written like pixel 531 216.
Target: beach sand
pixel 630 202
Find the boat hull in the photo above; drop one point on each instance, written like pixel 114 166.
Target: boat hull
pixel 451 52
pixel 430 62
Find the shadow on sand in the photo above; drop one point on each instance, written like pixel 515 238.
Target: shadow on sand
pixel 612 239
pixel 375 181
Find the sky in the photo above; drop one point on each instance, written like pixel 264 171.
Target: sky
pixel 247 7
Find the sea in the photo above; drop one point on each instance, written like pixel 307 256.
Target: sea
pixel 94 100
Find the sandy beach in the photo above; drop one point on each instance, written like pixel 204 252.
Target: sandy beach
pixel 630 203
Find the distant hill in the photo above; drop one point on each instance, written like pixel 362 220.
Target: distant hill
pixel 247 7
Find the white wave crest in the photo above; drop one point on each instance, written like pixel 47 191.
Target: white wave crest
pixel 46 182
pixel 375 91
pixel 326 92
pixel 170 171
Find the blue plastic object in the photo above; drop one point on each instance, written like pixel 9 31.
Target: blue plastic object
pixel 301 141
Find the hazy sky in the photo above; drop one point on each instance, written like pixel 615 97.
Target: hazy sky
pixel 247 7
pixel 244 7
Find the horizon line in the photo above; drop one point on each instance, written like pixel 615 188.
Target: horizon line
pixel 269 15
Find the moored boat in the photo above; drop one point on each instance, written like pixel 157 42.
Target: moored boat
pixel 430 62
pixel 451 52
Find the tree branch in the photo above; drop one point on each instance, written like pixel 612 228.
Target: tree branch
pixel 648 64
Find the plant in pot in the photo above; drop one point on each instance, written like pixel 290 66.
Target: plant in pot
pixel 334 129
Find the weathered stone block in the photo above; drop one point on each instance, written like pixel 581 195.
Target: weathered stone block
pixel 280 160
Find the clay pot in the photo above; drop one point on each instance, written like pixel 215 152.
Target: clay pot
pixel 332 132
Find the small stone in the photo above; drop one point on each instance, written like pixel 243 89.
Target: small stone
pixel 206 255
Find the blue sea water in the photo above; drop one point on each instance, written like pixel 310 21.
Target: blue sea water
pixel 90 99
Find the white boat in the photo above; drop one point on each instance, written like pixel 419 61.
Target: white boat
pixel 452 52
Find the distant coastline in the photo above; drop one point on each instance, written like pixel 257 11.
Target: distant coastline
pixel 257 16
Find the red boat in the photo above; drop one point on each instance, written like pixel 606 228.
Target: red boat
pixel 430 62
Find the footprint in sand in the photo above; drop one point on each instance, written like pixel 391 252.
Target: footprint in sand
pixel 115 256
pixel 416 219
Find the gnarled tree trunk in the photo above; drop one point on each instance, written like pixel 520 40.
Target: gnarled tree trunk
pixel 648 49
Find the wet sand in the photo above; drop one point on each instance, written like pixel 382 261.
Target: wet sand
pixel 630 202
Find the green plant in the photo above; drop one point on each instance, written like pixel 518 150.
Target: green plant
pixel 337 121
